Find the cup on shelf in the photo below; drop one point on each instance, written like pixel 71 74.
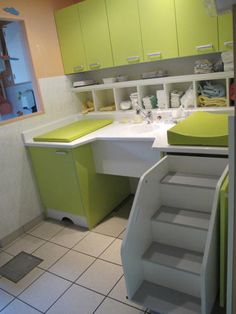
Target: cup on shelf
pixel 108 80
pixel 122 78
pixel 125 105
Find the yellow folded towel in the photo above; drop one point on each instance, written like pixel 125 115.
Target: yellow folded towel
pixel 108 108
pixel 204 101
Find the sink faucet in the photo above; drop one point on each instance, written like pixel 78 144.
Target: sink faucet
pixel 147 115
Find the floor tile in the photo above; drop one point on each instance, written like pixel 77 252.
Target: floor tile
pixel 17 288
pixel 110 306
pixel 112 253
pixel 119 293
pixel 50 253
pixel 93 244
pixel 69 237
pixel 111 226
pixel 46 230
pixel 5 299
pixel 18 307
pixel 44 291
pixel 4 258
pixel 101 276
pixel 26 243
pixel 72 265
pixel 77 300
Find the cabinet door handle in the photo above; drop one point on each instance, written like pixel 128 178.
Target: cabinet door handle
pixel 133 58
pixel 208 46
pixel 95 65
pixel 61 152
pixel 154 54
pixel 228 43
pixel 79 68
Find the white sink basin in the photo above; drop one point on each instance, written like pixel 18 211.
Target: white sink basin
pixel 144 128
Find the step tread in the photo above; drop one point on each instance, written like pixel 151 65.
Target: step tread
pixel 165 300
pixel 190 179
pixel 174 257
pixel 185 217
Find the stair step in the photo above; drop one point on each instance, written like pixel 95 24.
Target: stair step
pixel 189 179
pixel 165 300
pixel 184 217
pixel 174 257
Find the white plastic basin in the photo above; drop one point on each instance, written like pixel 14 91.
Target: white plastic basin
pixel 144 128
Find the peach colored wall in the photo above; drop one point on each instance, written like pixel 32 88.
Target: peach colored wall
pixel 41 32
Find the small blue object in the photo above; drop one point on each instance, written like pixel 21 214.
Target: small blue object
pixel 11 10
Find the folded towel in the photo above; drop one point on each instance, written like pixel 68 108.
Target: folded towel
pixel 204 101
pixel 227 56
pixel 211 89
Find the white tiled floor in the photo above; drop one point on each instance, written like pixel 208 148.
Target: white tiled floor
pixel 81 272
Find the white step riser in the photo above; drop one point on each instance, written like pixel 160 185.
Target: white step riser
pixel 185 197
pixel 172 278
pixel 180 236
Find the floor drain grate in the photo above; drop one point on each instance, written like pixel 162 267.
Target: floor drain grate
pixel 19 266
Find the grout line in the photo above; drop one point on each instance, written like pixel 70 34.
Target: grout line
pixel 58 298
pixel 9 302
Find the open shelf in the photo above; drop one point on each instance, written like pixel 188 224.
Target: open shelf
pixel 104 98
pixel 115 93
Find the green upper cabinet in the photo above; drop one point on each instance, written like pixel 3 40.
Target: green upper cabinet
pixel 197 31
pixel 70 39
pixel 124 24
pixel 95 31
pixel 225 27
pixel 158 29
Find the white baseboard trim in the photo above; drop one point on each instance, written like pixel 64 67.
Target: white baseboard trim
pixel 60 215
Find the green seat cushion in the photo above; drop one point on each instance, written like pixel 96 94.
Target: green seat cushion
pixel 200 128
pixel 72 131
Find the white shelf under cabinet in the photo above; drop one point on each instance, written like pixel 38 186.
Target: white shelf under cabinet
pixel 120 91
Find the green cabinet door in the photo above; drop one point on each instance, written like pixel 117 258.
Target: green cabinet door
pixel 94 24
pixel 57 179
pixel 70 39
pixel 196 30
pixel 158 29
pixel 124 25
pixel 225 27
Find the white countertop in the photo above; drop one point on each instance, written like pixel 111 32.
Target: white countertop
pixel 155 133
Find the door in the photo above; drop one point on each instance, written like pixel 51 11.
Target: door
pixel 225 27
pixel 15 42
pixel 196 30
pixel 70 39
pixel 158 29
pixel 95 31
pixel 57 179
pixel 123 19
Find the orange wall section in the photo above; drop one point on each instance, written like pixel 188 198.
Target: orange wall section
pixel 38 16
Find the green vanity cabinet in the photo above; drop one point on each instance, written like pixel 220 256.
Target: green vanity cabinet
pixel 158 29
pixel 68 183
pixel 225 28
pixel 70 39
pixel 96 35
pixel 124 25
pixel 197 31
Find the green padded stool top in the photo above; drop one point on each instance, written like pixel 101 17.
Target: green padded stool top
pixel 72 131
pixel 200 128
